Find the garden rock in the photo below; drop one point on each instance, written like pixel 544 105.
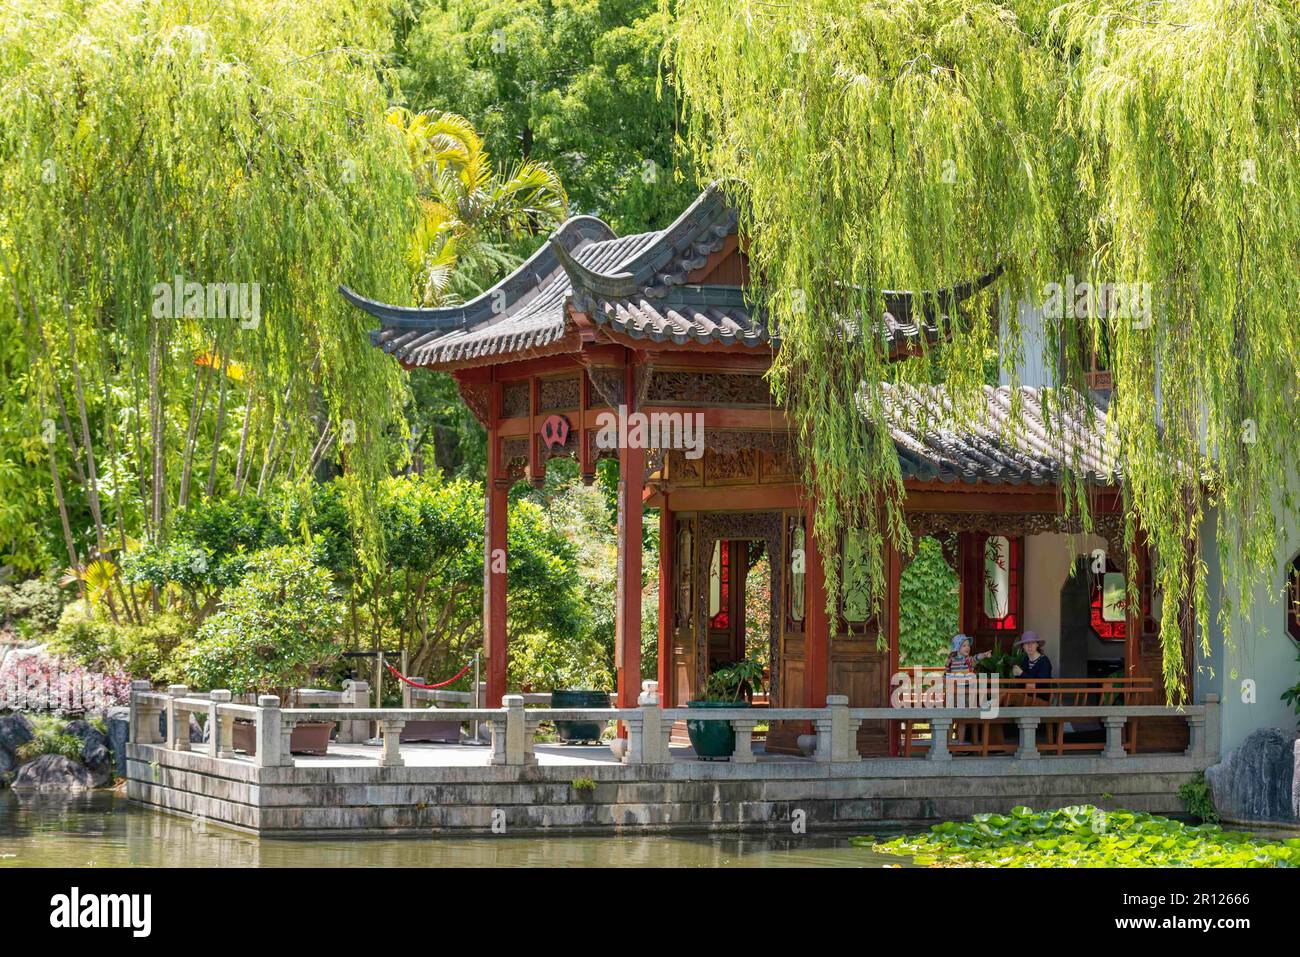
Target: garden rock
pixel 1254 783
pixel 53 772
pixel 15 730
pixel 118 723
pixel 94 750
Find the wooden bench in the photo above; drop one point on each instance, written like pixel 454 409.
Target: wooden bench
pixel 987 737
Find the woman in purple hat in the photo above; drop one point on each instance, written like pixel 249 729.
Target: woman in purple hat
pixel 1037 664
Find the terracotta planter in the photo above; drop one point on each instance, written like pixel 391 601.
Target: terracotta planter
pixel 444 732
pixel 313 738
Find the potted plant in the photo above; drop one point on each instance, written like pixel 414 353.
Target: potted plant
pixel 273 632
pixel 731 686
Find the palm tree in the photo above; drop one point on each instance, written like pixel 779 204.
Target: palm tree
pixel 469 211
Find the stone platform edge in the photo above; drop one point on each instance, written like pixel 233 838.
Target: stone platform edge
pixel 687 796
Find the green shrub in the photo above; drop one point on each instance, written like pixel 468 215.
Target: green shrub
pixel 142 651
pixel 274 630
pixel 49 737
pixel 1198 800
pixel 32 606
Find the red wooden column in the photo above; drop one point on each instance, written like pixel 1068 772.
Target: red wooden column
pixel 494 559
pixel 817 650
pixel 667 557
pixel 627 629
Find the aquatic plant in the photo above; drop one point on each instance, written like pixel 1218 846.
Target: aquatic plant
pixel 1085 836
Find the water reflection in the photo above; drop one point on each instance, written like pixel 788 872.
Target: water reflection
pixel 105 830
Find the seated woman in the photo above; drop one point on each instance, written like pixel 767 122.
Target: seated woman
pixel 1037 664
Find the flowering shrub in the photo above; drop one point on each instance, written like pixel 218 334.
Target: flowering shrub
pixel 37 682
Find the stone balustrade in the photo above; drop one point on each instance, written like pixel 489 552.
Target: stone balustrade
pixel 648 726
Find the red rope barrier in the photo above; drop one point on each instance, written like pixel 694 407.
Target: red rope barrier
pixel 416 684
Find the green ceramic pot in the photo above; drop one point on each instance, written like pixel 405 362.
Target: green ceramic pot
pixel 713 739
pixel 573 731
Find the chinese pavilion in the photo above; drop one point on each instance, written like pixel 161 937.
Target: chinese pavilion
pixel 659 322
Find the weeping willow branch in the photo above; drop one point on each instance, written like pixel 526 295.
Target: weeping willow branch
pixel 909 143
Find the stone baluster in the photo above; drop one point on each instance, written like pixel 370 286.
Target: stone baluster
pixel 744 753
pixel 391 755
pixel 940 728
pixel 1114 737
pixel 512 737
pixel 178 720
pixel 655 729
pixel 220 726
pixel 836 732
pixel 1028 750
pixel 356 694
pixel 144 715
pixel 271 752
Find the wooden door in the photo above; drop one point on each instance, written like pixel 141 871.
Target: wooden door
pixel 790 565
pixel 683 667
pixel 859 660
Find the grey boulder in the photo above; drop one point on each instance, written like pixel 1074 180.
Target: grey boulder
pixel 94 750
pixel 15 730
pixel 1253 784
pixel 118 723
pixel 53 772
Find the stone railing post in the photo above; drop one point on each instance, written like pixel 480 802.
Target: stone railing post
pixel 836 732
pixel 654 734
pixel 356 694
pixel 144 715
pixel 271 752
pixel 744 728
pixel 1114 737
pixel 516 745
pixel 391 755
pixel 178 730
pixel 220 733
pixel 940 728
pixel 408 693
pixel 1028 749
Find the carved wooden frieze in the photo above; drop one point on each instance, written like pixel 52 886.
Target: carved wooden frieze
pixel 943 525
pixel 731 468
pixel 707 388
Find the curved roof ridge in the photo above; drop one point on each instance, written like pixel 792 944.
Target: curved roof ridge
pixel 496 301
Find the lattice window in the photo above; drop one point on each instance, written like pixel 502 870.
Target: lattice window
pixel 1108 605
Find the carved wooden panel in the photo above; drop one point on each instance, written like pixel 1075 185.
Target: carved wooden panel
pixel 514 399
pixel 559 395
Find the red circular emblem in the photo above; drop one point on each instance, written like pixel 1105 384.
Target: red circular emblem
pixel 555 431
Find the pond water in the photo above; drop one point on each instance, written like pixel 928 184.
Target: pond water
pixel 103 829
